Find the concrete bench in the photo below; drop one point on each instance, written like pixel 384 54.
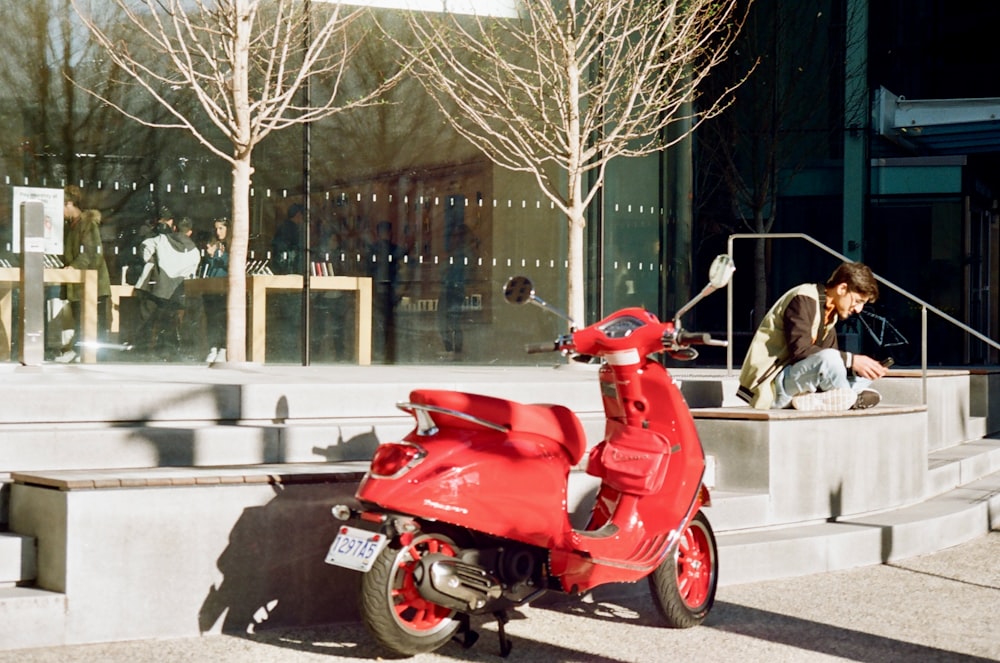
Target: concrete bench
pixel 177 552
pixel 818 465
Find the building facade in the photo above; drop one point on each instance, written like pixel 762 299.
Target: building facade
pixel 814 146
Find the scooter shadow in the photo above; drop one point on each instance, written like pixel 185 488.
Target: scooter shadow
pixel 351 641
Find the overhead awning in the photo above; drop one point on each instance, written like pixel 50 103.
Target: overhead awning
pixel 938 126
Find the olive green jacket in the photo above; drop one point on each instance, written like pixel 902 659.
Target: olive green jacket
pixel 83 250
pixel 791 331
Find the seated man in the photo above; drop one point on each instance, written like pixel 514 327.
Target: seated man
pixel 793 359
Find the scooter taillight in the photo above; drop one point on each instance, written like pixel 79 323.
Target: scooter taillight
pixel 395 458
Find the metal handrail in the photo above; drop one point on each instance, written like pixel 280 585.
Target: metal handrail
pixel 924 306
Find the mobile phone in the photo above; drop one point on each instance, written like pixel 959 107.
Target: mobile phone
pixel 888 362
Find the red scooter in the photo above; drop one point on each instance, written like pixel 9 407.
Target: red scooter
pixel 467 515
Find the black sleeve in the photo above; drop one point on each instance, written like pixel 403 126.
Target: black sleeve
pixel 798 319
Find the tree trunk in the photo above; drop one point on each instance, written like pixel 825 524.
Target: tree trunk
pixel 575 282
pixel 759 281
pixel 236 302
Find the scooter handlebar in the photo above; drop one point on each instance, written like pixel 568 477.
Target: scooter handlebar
pixel 685 338
pixel 696 338
pixel 535 348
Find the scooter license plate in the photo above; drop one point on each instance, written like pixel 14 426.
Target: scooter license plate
pixel 356 548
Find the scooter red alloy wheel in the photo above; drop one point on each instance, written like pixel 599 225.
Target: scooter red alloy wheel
pixel 412 610
pixel 684 585
pixel 694 567
pixel 390 603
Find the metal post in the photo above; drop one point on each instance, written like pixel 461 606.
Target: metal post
pixel 307 195
pixel 923 351
pixel 32 309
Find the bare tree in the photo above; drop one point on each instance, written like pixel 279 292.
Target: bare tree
pixel 567 86
pixel 231 72
pixel 53 132
pixel 777 125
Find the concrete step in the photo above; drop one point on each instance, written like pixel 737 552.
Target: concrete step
pixel 139 394
pixel 203 443
pixel 962 464
pixel 950 396
pixel 734 510
pixel 18 555
pixel 265 508
pixel 947 520
pixel 31 617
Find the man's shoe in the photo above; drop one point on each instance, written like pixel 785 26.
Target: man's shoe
pixel 867 398
pixel 212 354
pixel 835 400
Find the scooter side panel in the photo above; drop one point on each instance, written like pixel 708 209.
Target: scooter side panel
pixel 647 522
pixel 511 486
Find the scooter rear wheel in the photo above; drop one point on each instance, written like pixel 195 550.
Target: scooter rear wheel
pixel 391 607
pixel 684 585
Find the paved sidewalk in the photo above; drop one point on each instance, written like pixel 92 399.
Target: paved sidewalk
pixel 937 608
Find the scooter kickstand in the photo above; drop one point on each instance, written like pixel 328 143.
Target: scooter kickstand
pixel 465 635
pixel 505 643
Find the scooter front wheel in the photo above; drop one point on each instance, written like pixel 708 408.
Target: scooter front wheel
pixel 391 606
pixel 683 586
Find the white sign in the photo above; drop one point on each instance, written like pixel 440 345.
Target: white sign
pixel 52 201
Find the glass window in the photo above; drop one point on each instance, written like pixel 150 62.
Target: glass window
pixel 395 196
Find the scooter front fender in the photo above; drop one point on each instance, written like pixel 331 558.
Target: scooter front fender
pixel 511 485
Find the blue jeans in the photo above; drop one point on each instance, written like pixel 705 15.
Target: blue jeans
pixel 821 371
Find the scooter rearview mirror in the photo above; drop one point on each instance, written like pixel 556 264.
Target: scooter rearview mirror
pixel 721 271
pixel 518 290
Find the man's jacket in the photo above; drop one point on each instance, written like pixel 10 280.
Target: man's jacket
pixel 791 331
pixel 170 258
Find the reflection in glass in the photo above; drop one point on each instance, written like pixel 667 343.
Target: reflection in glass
pixel 397 197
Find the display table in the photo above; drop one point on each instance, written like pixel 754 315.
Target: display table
pixel 258 288
pixel 10 277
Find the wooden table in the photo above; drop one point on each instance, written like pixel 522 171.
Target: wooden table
pixel 259 286
pixel 11 277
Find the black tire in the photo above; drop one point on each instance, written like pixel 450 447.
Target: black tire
pixel 400 619
pixel 684 585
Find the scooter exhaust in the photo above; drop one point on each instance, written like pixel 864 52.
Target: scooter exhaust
pixel 455 584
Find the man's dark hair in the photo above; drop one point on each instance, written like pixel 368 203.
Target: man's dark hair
pixel 163 228
pixel 185 224
pixel 858 277
pixel 72 194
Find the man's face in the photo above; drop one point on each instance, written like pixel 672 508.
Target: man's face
pixel 71 211
pixel 847 302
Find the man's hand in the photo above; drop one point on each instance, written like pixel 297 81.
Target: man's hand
pixel 866 367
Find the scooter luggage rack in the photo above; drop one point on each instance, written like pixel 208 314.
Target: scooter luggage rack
pixel 427 427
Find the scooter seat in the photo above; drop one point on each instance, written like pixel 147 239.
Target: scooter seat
pixel 553 421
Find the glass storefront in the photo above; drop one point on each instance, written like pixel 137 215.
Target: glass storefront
pixel 394 195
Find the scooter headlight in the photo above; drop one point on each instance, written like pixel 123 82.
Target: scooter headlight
pixel 395 458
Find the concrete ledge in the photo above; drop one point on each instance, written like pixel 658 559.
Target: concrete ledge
pixel 159 477
pixel 747 413
pixel 818 465
pixel 949 401
pixel 982 384
pixel 150 554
